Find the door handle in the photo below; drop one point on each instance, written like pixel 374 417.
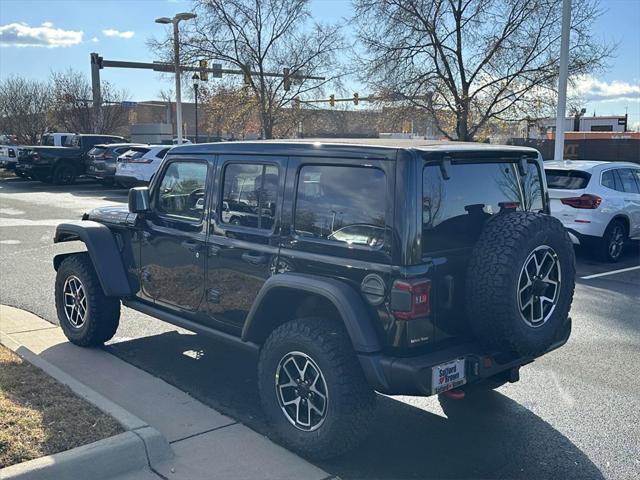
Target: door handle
pixel 214 250
pixel 191 245
pixel 255 259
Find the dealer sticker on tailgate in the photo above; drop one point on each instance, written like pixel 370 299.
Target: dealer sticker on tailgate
pixel 447 376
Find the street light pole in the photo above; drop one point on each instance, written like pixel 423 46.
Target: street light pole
pixel 558 153
pixel 196 84
pixel 176 60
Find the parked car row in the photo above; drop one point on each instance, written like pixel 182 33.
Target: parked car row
pixel 62 157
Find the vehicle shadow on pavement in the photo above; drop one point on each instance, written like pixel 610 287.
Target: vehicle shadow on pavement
pixel 82 188
pixel 495 438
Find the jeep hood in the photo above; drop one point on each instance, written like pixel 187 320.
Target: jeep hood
pixel 111 214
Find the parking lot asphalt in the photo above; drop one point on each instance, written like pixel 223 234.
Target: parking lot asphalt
pixel 574 414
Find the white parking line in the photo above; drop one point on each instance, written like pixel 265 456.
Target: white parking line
pixel 612 272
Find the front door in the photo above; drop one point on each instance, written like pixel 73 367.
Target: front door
pixel 173 236
pixel 244 239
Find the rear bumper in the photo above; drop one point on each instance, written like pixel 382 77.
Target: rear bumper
pixel 8 164
pixel 129 180
pixel 579 238
pixel 35 170
pixel 101 174
pixel 412 375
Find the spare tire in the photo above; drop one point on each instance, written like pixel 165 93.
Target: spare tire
pixel 520 282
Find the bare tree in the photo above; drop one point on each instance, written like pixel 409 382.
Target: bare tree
pixel 263 36
pixel 470 62
pixel 73 109
pixel 24 106
pixel 230 111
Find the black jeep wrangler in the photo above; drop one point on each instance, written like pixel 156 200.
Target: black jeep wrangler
pixel 348 268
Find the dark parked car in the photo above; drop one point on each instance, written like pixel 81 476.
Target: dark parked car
pixel 402 268
pixel 101 161
pixel 60 165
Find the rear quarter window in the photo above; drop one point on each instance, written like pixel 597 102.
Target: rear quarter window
pixel 567 179
pixel 341 204
pixel 455 210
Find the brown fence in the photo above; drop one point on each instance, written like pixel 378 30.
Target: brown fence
pixel 611 149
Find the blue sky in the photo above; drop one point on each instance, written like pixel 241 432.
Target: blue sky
pixel 118 30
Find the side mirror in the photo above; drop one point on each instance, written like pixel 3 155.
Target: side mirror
pixel 139 200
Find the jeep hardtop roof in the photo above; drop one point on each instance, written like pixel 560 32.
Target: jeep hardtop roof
pixel 378 148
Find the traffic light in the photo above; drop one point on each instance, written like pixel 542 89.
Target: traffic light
pixel 204 75
pixel 97 59
pixel 356 98
pixel 332 100
pixel 287 79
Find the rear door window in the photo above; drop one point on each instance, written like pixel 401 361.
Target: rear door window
pixel 455 210
pixel 611 179
pixel 343 204
pixel 249 195
pixel 628 180
pixel 567 179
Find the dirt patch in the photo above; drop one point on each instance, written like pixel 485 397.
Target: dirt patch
pixel 39 416
pixel 6 173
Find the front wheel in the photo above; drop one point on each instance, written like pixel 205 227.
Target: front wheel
pixel 87 317
pixel 312 388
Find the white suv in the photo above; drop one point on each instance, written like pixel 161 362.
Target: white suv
pixel 598 202
pixel 138 165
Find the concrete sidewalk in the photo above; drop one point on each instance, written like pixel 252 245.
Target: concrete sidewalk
pixel 204 443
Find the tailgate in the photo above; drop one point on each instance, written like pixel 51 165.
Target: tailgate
pixel 454 211
pixel 565 213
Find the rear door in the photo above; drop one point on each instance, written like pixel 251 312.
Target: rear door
pixel 244 239
pixel 454 212
pixel 630 178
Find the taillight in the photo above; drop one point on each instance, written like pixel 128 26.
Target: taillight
pixel 140 160
pixel 35 156
pixel 585 201
pixel 411 299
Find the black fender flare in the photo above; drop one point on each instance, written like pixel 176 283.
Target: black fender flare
pixel 348 303
pixel 104 253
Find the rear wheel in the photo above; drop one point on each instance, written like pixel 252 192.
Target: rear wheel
pixel 64 174
pixel 87 317
pixel 313 391
pixel 611 245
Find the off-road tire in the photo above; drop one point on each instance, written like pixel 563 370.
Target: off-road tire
pixel 611 234
pixel 351 401
pixel 103 313
pixel 494 271
pixel 64 174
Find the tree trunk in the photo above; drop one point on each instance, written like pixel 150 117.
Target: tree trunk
pixel 267 126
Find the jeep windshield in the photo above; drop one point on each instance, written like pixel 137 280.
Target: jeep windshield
pixel 454 210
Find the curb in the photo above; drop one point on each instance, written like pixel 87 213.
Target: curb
pixel 139 447
pixel 100 460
